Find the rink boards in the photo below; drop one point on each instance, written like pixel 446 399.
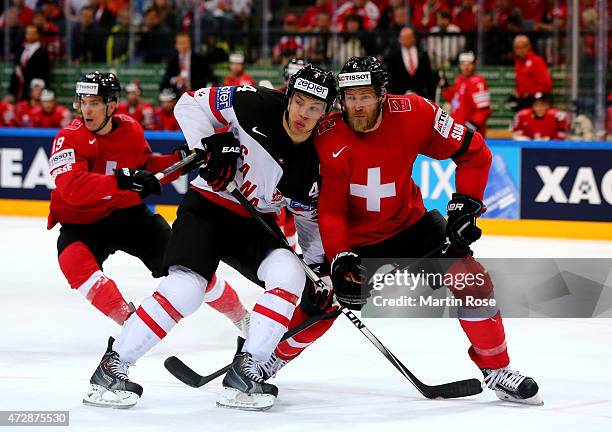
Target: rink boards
pixel 550 189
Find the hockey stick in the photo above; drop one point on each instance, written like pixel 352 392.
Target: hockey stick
pixel 193 379
pixel 455 389
pixel 176 166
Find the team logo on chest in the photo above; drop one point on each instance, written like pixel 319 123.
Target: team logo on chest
pixel 373 191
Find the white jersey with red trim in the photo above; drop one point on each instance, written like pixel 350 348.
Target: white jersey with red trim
pixel 271 172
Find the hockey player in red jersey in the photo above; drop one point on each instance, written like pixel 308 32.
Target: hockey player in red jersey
pixel 50 114
pixel 370 207
pixel 7 114
pixel 164 114
pixel 540 122
pixel 103 168
pixel 260 140
pixel 469 96
pixel 24 108
pixel 142 112
pixel 238 75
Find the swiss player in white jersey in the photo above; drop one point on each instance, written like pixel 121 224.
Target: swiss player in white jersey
pixel 266 148
pixel 371 208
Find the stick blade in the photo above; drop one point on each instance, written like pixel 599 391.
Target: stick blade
pixel 457 389
pixel 182 372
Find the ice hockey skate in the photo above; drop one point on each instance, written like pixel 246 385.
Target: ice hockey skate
pixel 244 387
pixel 272 366
pixel 109 385
pixel 510 385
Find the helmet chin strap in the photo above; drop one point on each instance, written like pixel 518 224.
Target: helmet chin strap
pixel 108 117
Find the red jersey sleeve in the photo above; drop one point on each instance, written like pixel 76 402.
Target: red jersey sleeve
pixel 453 140
pixel 69 165
pixel 334 197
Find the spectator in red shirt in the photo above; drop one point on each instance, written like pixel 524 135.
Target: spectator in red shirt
pixel 309 19
pixel 289 45
pixel 465 15
pixel 25 13
pixel 531 73
pixel 424 17
pixel 164 114
pixel 50 114
pixel 49 35
pixel 142 112
pixel 366 9
pixel 237 75
pixel 506 14
pixel 540 122
pixel 7 114
pixel 24 109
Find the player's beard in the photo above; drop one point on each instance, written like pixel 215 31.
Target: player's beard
pixel 363 124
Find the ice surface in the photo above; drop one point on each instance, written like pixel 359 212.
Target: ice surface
pixel 51 341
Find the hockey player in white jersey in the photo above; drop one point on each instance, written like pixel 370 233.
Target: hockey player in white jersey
pixel 261 139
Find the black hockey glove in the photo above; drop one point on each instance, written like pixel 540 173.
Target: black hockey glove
pixel 347 275
pixel 184 151
pixel 222 153
pixel 319 297
pixel 461 228
pixel 141 181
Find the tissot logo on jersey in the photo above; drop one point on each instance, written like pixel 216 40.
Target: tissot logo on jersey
pixel 443 122
pixel 353 79
pixel 223 97
pixel 62 158
pixel 317 90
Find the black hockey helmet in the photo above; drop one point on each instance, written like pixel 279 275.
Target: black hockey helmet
pixel 313 82
pixel 363 71
pixel 292 66
pixel 99 84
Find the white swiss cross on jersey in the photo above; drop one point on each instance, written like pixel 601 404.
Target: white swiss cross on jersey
pixel 374 191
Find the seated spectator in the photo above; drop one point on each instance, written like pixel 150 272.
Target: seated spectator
pixel 103 18
pixel 50 37
pixel 24 12
pixel 7 113
pixel 444 42
pixel 238 75
pixel 140 111
pixel 409 68
pixel 540 122
pixel 354 42
pixel 155 38
pixel 10 18
pixel 367 10
pixel 506 15
pixel 24 108
pixel 187 70
pixel 289 45
pixel 118 42
pixel 31 62
pixel 87 40
pixel 168 15
pixel 386 15
pixel 531 73
pixel 465 15
pixel 309 20
pixel 318 47
pixel 164 114
pixel 424 16
pixel 50 114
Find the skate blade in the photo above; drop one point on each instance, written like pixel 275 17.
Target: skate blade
pixel 98 396
pixel 533 400
pixel 232 398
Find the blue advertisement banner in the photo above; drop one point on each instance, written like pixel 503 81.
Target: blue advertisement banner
pixel 436 179
pixel 567 184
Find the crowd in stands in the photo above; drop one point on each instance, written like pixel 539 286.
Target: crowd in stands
pixel 416 42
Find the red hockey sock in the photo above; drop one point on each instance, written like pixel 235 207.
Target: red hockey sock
pixel 224 299
pixel 83 273
pixel 292 347
pixel 488 340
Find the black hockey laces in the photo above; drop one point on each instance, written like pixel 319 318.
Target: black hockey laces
pixel 253 369
pixel 273 365
pixel 119 368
